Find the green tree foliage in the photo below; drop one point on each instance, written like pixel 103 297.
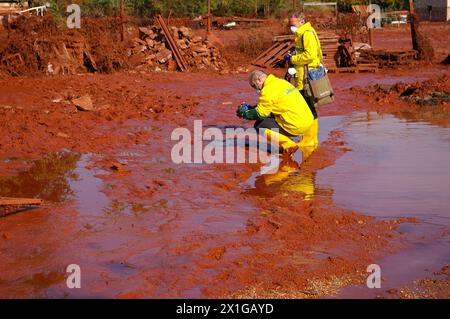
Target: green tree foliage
pixel 193 8
pixel 384 4
pixel 99 8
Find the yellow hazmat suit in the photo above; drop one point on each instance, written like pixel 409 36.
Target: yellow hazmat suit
pixel 307 52
pixel 282 100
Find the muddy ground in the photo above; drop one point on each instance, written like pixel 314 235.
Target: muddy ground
pixel 141 226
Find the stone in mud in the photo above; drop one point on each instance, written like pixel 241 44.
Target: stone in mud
pixel 117 167
pixel 386 88
pixel 185 32
pixel 206 62
pixel 63 135
pixel 199 48
pixel 138 41
pixel 145 32
pixel 196 39
pixel 182 44
pixel 138 49
pixel 84 103
pixel 163 56
pixel 150 43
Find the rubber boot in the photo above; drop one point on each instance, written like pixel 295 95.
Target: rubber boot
pixel 310 138
pixel 307 151
pixel 288 146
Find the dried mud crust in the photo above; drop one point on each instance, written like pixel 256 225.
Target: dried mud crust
pixel 428 100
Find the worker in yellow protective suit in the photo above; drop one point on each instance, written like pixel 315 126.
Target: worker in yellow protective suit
pixel 281 112
pixel 307 53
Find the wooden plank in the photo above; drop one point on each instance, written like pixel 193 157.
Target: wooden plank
pixel 322 35
pixel 182 64
pixel 269 56
pixel 263 54
pixel 266 52
pixel 283 50
pixel 240 19
pixel 13 201
pixel 280 38
pixel 279 55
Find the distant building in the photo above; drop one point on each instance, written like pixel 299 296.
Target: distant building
pixel 433 10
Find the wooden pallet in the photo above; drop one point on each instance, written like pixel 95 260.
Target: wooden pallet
pixel 274 54
pixel 284 43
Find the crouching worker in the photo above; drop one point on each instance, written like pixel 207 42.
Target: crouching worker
pixel 281 112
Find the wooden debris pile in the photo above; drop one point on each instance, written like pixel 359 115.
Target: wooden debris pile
pixel 347 61
pixel 161 48
pixel 273 56
pixel 338 55
pixel 387 58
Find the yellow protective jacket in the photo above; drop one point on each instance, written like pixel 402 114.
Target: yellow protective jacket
pixel 310 54
pixel 282 100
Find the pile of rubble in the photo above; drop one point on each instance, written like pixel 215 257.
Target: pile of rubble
pixel 152 51
pixel 35 44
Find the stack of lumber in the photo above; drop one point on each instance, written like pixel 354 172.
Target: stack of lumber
pixel 282 44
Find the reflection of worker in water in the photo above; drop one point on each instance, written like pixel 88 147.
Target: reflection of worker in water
pixel 281 112
pixel 308 55
pixel 283 180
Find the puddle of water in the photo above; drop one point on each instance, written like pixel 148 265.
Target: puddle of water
pixel 398 168
pixel 86 189
pixel 48 178
pixel 288 176
pixel 382 176
pixel 61 177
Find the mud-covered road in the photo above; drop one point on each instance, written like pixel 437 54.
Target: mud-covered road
pixel 140 225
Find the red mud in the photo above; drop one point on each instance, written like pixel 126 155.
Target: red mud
pixel 430 287
pixel 428 100
pixel 34 110
pixel 400 38
pixel 29 44
pixel 247 252
pixel 141 226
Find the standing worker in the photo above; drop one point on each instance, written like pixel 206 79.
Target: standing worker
pixel 281 112
pixel 308 54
